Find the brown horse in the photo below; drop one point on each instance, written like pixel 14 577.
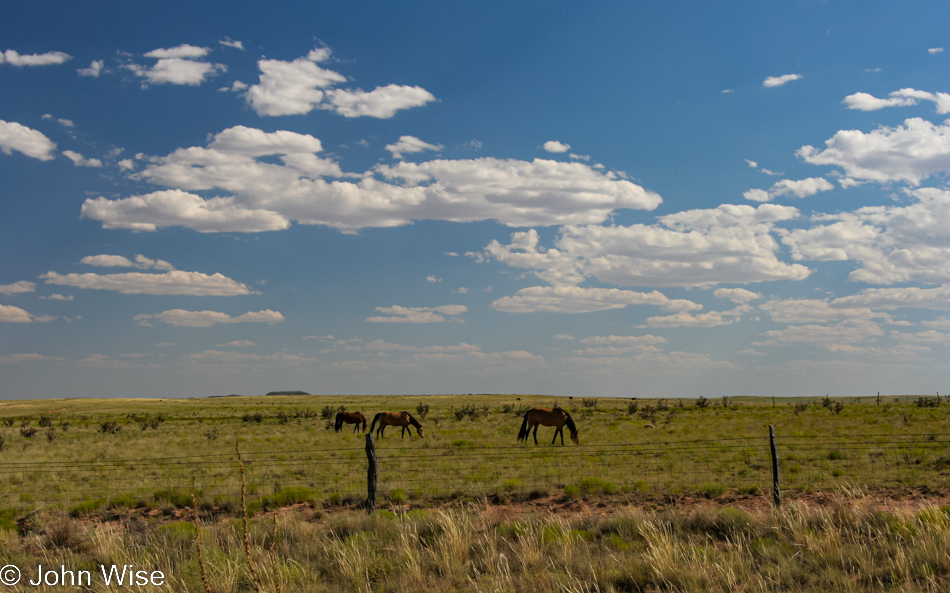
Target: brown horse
pixel 403 419
pixel 547 417
pixel 350 418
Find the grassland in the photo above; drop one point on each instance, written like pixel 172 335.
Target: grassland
pixel 103 481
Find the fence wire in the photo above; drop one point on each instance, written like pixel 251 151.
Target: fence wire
pixel 708 467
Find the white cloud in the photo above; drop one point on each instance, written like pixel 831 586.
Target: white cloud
pixel 646 339
pixel 81 161
pixel 736 295
pixel 126 165
pixel 11 314
pixel 382 102
pixel 708 319
pixel 48 59
pixel 910 152
pixel 773 81
pixel 117 261
pixel 941 322
pixel 574 299
pixel 866 102
pixel 243 360
pixel 66 123
pixel 267 196
pixel 844 332
pixel 18 358
pixel 297 88
pixel 399 314
pixel 58 297
pixel 931 336
pixel 433 279
pixel 178 65
pixel 728 244
pixel 173 282
pixel 819 311
pixel 178 208
pixel 17 287
pixel 94 69
pixel 555 146
pixel 892 243
pixel 563 337
pixel 237 344
pixel 410 145
pixel 14 136
pixel 895 298
pixel 183 318
pixel 935 50
pixel 786 187
pixel 228 42
pixel 901 98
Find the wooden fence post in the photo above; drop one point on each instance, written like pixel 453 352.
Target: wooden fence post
pixel 776 491
pixel 370 474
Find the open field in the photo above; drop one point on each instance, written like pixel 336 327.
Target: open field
pixel 660 495
pixel 91 455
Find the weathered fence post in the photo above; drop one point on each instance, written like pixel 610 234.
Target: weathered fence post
pixel 370 474
pixel 776 491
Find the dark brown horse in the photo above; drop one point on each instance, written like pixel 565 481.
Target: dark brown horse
pixel 350 418
pixel 403 419
pixel 547 417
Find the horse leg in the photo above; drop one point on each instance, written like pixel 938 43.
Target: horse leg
pixel 356 427
pixel 562 434
pixel 536 433
pixel 555 435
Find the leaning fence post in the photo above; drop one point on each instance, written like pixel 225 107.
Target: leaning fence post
pixel 370 474
pixel 776 491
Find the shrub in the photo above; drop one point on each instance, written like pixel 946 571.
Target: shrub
pixel 109 427
pixel 397 496
pixel 422 410
pixel 253 417
pixel 327 413
pixel 46 420
pixel 27 432
pixel 632 407
pixel 589 402
pixel 702 402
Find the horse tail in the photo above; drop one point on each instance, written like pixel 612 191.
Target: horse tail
pixel 339 422
pixel 523 433
pixel 363 418
pixel 375 418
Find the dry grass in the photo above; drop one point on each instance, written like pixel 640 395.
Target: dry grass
pixel 846 545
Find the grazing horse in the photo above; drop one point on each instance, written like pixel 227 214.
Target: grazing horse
pixel 403 419
pixel 350 418
pixel 547 417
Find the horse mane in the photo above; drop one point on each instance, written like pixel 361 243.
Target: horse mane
pixel 570 422
pixel 412 421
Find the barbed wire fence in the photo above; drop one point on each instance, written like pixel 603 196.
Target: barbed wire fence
pixel 423 471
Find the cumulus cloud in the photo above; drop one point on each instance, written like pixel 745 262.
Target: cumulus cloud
pixel 900 98
pixel 48 59
pixel 118 261
pixel 843 332
pixel 774 81
pixel 300 86
pixel 11 314
pixel 18 358
pixel 728 244
pixel 94 70
pixel 801 188
pixel 267 196
pixel 910 152
pixel 17 287
pixel 410 145
pixel 14 136
pixel 173 282
pixel 183 318
pixel 228 42
pixel 555 146
pixel 180 65
pixel 399 314
pixel 575 299
pixel 708 319
pixel 81 161
pixel 891 243
pixel 736 295
pixel 819 311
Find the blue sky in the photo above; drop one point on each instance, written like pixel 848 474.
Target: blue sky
pixel 628 200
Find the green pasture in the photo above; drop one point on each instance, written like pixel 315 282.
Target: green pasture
pixel 89 456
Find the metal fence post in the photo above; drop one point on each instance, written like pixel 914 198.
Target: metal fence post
pixel 776 491
pixel 370 474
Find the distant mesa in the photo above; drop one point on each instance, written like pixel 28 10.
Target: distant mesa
pixel 288 393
